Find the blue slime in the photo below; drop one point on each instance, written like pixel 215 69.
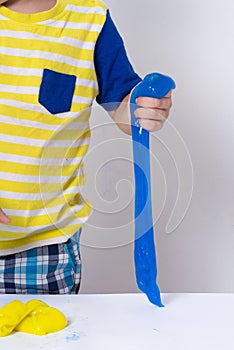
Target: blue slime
pixel 153 85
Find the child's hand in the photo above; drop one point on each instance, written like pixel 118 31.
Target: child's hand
pixel 154 112
pixel 4 219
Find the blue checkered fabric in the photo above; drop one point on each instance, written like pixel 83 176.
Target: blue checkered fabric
pixel 52 269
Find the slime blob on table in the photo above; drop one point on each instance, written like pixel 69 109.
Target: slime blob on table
pixel 35 317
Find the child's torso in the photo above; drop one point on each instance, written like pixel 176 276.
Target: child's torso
pixel 47 83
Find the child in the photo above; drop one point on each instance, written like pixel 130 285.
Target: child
pixel 56 58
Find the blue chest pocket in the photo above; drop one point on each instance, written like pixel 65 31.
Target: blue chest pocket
pixel 56 91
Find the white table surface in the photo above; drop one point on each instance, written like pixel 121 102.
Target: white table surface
pixel 130 322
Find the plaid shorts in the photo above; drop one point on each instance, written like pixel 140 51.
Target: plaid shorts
pixel 52 269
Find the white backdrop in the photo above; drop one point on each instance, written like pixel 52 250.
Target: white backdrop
pixel 192 156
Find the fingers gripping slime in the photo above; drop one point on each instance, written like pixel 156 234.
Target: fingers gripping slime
pixel 35 317
pixel 157 86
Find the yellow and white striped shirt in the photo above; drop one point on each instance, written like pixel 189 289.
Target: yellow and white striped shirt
pixel 47 86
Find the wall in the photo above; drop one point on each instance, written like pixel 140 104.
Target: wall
pixel 192 157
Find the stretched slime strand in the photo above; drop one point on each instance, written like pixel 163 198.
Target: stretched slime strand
pixel 153 85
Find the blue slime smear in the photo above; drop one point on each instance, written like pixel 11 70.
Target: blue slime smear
pixel 153 85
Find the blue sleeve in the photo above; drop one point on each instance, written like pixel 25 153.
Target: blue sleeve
pixel 115 74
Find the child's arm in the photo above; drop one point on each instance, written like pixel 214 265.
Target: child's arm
pixel 116 78
pixel 4 219
pixel 152 113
